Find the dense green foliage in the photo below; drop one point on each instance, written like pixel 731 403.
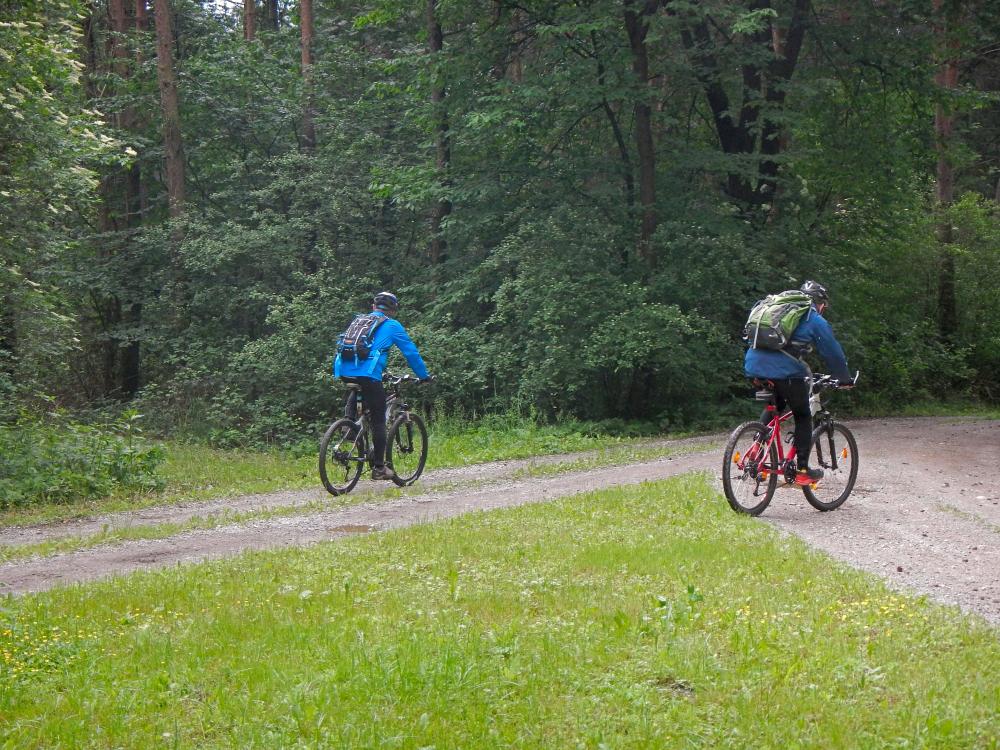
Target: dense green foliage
pixel 544 292
pixel 40 462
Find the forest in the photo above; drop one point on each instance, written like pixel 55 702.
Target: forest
pixel 577 201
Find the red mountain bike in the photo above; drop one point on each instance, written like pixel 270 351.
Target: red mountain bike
pixel 755 457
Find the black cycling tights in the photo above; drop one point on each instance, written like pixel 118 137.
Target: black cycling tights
pixel 373 392
pixel 793 393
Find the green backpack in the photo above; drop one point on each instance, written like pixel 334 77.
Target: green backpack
pixel 773 320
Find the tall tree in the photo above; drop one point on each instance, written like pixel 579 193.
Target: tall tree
pixel 946 37
pixel 749 128
pixel 167 80
pixel 307 33
pixel 637 25
pixel 442 137
pixel 249 19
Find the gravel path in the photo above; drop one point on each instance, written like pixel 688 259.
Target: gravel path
pixel 925 514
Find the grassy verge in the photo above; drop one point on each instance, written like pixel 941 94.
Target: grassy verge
pixel 198 472
pixel 613 456
pixel 614 619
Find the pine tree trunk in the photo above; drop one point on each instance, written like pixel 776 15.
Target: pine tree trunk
pixel 442 208
pixel 172 144
pixel 637 26
pixel 944 122
pixel 8 335
pixel 131 362
pixel 249 20
pixel 308 120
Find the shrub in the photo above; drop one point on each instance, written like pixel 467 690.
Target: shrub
pixel 43 462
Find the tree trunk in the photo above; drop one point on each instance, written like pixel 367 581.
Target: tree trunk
pixel 273 19
pixel 8 335
pixel 944 123
pixel 249 20
pixel 637 26
pixel 172 144
pixel 623 154
pixel 442 208
pixel 306 28
pixel 131 362
pixel 762 81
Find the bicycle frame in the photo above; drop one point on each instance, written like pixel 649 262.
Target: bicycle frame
pixel 393 407
pixel 774 438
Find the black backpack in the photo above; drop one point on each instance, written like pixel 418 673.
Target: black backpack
pixel 356 342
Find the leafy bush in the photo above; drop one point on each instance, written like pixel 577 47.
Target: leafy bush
pixel 42 462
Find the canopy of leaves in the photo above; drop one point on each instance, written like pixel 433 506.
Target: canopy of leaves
pixel 542 299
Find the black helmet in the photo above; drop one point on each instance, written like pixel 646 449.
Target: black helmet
pixel 816 291
pixel 386 301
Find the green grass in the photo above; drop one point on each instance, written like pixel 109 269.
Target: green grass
pixel 197 472
pixel 640 617
pixel 614 456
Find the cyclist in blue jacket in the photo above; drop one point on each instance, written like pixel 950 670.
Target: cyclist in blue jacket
pixel 791 375
pixel 368 374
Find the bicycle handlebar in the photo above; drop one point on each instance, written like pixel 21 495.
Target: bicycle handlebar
pixel 395 380
pixel 828 381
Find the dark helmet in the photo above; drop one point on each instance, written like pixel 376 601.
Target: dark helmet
pixel 816 291
pixel 386 301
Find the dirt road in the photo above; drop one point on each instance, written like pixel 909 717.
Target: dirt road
pixel 925 514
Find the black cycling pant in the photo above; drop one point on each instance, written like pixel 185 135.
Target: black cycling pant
pixel 793 393
pixel 373 393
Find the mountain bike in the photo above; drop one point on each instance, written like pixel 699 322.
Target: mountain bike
pixel 345 452
pixel 755 458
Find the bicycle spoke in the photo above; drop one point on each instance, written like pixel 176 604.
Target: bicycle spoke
pixel 749 476
pixel 834 451
pixel 407 448
pixel 343 450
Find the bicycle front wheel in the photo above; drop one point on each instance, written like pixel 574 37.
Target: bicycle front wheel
pixel 342 455
pixel 406 448
pixel 749 470
pixel 835 451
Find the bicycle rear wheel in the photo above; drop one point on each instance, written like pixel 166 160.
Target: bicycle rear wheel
pixel 749 475
pixel 406 448
pixel 342 454
pixel 835 451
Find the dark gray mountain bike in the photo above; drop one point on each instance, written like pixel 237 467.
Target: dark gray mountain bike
pixel 345 449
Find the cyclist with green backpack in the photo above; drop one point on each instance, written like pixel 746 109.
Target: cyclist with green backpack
pixel 781 330
pixel 362 352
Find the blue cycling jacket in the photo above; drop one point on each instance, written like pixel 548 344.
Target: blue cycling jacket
pixel 388 334
pixel 814 330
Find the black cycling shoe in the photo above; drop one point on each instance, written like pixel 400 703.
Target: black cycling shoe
pixel 383 472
